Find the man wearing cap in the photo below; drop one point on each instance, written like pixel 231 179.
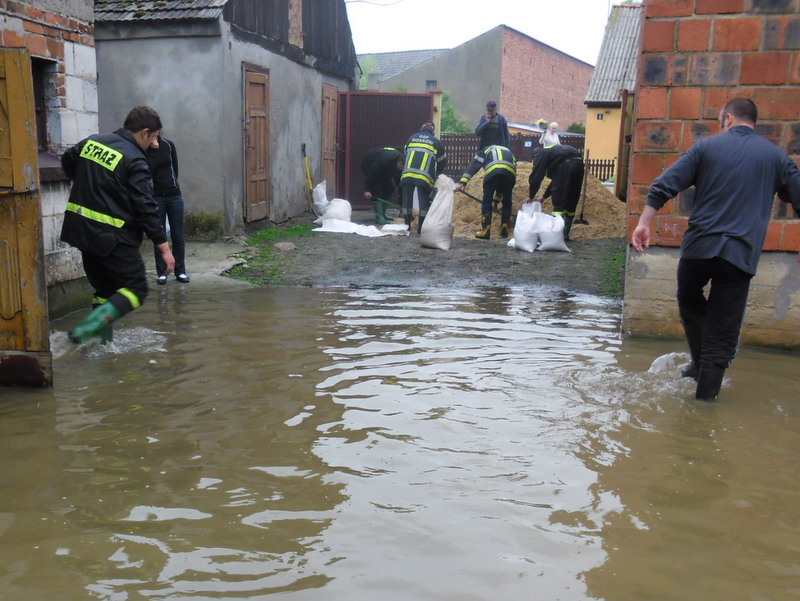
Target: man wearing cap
pixel 493 128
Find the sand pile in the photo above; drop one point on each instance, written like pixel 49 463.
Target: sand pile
pixel 605 213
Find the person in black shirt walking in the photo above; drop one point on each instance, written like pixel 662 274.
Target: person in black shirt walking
pixel 736 175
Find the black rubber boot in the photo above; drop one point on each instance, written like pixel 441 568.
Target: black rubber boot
pixel 409 218
pixel 694 337
pixel 505 218
pixel 420 221
pixel 486 227
pixel 567 226
pixel 709 381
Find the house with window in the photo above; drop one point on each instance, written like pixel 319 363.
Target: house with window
pixel 243 87
pixel 609 101
pixel 528 79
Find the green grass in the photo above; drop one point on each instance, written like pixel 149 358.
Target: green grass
pixel 266 266
pixel 614 273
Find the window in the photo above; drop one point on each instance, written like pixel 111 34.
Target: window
pixel 43 93
pixel 599 116
pixel 431 84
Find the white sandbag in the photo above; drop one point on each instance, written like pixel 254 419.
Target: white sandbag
pixel 525 235
pixel 338 208
pixel 396 229
pixel 437 229
pixel 339 226
pixel 320 200
pixel 551 232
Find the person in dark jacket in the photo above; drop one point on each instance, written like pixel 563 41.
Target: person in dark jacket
pixel 425 160
pixel 500 174
pixel 492 128
pixel 163 162
pixel 382 168
pixel 564 166
pixel 736 175
pixel 109 209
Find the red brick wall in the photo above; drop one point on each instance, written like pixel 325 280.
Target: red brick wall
pixel 43 34
pixel 539 82
pixel 696 55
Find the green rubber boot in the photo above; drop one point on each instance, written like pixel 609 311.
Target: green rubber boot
pixel 96 324
pixel 380 213
pixel 568 219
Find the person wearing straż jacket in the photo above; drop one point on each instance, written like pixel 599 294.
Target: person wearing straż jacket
pixel 736 175
pixel 425 160
pixel 500 174
pixel 381 168
pixel 564 166
pixel 110 208
pixel 163 162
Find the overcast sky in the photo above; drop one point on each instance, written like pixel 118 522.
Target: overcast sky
pixel 573 26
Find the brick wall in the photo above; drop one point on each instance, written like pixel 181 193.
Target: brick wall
pixel 540 82
pixel 696 55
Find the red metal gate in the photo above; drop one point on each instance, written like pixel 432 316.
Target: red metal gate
pixel 368 120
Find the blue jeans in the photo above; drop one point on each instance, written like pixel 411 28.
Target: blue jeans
pixel 172 207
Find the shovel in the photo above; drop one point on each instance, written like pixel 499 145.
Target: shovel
pixel 310 193
pixel 580 220
pixel 465 193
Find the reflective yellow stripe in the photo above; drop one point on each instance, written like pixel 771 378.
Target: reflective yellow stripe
pixel 414 145
pixel 420 176
pixel 94 215
pixel 132 298
pixel 98 300
pixel 101 154
pixel 508 168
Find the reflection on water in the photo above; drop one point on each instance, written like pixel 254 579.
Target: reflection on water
pixel 395 444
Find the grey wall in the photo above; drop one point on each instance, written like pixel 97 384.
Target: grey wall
pixel 471 72
pixel 82 10
pixel 195 82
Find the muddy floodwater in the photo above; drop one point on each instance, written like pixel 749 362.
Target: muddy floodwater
pixel 501 444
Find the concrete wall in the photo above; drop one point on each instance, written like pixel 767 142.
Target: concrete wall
pixel 696 55
pixel 528 79
pixel 60 33
pixel 471 73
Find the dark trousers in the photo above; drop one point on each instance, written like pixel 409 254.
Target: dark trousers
pixel 566 187
pixel 423 197
pixel 501 184
pixel 118 278
pixel 719 317
pixel 172 207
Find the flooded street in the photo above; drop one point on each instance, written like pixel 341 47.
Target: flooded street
pixel 395 444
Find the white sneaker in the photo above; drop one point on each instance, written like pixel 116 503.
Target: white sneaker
pixel 162 279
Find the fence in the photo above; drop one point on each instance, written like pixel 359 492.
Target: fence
pixel 461 149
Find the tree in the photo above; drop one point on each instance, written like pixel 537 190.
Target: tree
pixel 577 128
pixel 451 122
pixel 368 66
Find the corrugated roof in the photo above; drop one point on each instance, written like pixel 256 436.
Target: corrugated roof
pixel 619 55
pixel 156 10
pixel 392 63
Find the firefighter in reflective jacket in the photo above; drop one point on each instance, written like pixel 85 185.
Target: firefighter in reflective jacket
pixel 110 207
pixel 564 166
pixel 500 174
pixel 381 168
pixel 425 160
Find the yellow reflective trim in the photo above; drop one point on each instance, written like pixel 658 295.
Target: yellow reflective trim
pixel 508 168
pixel 94 215
pixel 101 154
pixel 424 178
pixel 414 145
pixel 132 298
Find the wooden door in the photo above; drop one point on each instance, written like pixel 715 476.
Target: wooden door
pixel 330 99
pixel 25 357
pixel 256 110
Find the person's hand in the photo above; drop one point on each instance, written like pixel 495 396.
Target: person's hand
pixel 166 254
pixel 368 195
pixel 459 187
pixel 527 201
pixel 641 238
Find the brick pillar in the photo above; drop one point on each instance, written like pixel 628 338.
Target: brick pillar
pixel 697 55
